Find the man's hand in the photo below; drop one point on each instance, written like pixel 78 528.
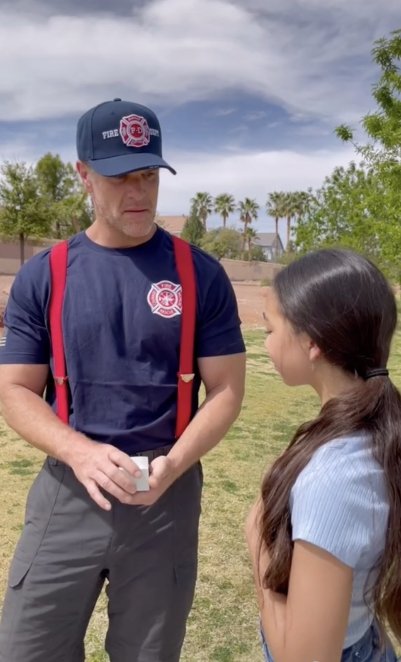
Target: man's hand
pixel 104 466
pixel 161 475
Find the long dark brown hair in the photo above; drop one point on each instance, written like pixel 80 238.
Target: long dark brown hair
pixel 346 306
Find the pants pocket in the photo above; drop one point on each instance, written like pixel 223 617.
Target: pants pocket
pixel 39 508
pixel 18 570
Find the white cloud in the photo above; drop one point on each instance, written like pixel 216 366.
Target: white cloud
pixel 253 175
pixel 17 150
pixel 174 51
pixel 311 57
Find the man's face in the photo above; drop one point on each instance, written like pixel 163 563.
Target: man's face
pixel 125 204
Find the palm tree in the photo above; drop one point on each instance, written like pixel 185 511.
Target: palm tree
pixel 249 234
pixel 275 207
pixel 248 210
pixel 290 207
pixel 202 205
pixel 224 205
pixel 302 199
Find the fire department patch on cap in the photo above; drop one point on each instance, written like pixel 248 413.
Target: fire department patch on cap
pixel 165 299
pixel 134 131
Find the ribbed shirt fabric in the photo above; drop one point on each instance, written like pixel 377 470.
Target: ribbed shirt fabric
pixel 339 502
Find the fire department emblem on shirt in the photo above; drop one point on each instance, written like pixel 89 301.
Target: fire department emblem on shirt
pixel 165 299
pixel 134 131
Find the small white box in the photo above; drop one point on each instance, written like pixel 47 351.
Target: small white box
pixel 142 462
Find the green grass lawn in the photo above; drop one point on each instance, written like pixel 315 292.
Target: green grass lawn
pixel 223 626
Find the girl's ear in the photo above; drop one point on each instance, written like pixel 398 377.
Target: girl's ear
pixel 314 351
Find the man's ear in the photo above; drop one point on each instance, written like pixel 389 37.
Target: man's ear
pixel 83 172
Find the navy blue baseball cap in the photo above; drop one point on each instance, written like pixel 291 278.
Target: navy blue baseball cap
pixel 117 137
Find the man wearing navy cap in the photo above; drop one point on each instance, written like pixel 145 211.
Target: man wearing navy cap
pixel 86 521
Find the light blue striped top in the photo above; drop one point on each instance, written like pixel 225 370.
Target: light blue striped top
pixel 339 502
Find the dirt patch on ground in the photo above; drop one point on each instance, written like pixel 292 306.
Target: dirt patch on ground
pixel 249 296
pixel 250 303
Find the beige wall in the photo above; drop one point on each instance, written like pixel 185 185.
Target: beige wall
pixel 10 251
pixel 236 269
pixel 253 271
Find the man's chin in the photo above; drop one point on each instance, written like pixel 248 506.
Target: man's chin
pixel 139 230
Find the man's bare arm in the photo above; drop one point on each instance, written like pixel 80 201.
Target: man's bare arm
pixel 95 465
pixel 224 380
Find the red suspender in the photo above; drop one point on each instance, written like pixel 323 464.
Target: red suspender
pixel 186 272
pixel 58 273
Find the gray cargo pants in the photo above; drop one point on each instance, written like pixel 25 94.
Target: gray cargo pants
pixel 68 549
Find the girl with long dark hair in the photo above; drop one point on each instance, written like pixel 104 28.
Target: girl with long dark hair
pixel 325 534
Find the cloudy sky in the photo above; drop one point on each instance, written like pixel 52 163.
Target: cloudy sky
pixel 248 92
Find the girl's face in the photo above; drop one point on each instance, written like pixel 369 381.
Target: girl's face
pixel 289 351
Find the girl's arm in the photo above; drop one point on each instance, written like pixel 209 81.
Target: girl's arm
pixel 309 625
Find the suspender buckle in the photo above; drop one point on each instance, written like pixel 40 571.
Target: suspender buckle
pixel 60 381
pixel 188 377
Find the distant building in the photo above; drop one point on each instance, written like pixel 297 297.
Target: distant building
pixel 271 245
pixel 173 224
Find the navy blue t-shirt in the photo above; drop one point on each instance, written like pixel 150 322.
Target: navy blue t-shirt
pixel 121 325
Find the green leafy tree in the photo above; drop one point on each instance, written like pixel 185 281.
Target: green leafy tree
pixel 257 254
pixel 73 213
pixel 338 212
pixel 222 242
pixel 224 205
pixel 193 229
pixel 383 126
pixel 355 209
pixel 360 206
pixel 248 209
pixel 60 186
pixel 23 211
pixel 381 155
pixel 202 204
pixel 56 179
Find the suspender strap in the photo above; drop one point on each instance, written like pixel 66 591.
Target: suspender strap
pixel 186 272
pixel 58 273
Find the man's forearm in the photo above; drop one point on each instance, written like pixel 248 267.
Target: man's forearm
pixel 34 420
pixel 213 419
pixel 97 466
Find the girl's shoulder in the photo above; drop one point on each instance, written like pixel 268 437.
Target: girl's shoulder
pixel 344 469
pixel 339 501
pixel 344 458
